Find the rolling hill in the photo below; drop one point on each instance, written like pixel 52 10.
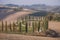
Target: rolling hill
pixel 11 15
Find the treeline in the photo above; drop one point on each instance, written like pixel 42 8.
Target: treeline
pixel 54 16
pixel 25 25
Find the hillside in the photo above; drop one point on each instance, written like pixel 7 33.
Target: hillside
pixel 15 16
pixel 38 7
pixel 43 7
pixel 40 13
pixel 10 15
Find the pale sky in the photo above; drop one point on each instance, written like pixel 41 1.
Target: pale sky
pixel 29 2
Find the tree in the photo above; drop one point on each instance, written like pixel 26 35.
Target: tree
pixel 38 26
pixel 26 27
pixel 20 26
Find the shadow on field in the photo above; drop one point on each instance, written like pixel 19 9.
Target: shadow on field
pixel 5 14
pixel 48 33
pixel 52 33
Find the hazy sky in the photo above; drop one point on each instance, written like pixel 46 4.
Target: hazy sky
pixel 28 2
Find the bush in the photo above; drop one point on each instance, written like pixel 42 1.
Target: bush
pixel 51 33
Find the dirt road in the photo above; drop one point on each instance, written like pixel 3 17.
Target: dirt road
pixel 23 37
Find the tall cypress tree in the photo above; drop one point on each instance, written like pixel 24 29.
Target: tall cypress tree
pixel 13 26
pixel 2 26
pixel 33 26
pixel 20 26
pixel 26 27
pixel 45 24
pixel 38 26
pixel 5 25
pixel 10 27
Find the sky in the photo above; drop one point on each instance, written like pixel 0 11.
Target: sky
pixel 29 2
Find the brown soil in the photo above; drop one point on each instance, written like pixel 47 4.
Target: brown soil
pixel 13 17
pixel 23 37
pixel 54 25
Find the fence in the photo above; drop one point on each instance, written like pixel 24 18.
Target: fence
pixel 25 25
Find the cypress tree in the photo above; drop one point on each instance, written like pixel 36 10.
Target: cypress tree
pixel 10 27
pixel 5 25
pixel 38 26
pixel 2 26
pixel 33 26
pixel 13 26
pixel 26 27
pixel 20 26
pixel 45 24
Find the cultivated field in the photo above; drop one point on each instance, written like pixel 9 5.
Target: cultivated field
pixel 11 16
pixel 54 25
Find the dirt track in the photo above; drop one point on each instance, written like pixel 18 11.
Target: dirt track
pixel 23 37
pixel 15 16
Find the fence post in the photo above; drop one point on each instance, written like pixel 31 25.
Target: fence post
pixel 26 27
pixel 5 25
pixel 2 26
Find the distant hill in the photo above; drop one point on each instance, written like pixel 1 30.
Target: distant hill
pixel 41 13
pixel 12 5
pixel 43 7
pixel 56 9
pixel 38 7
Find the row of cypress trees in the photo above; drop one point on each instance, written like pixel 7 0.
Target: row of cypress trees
pixel 45 27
